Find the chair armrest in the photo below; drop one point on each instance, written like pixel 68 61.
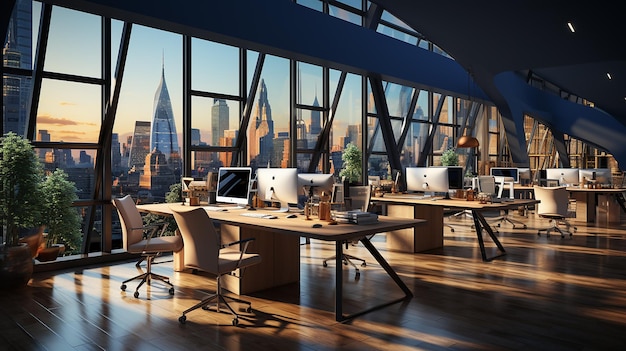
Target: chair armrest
pixel 244 241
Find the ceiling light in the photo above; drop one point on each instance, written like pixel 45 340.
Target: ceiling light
pixel 608 75
pixel 570 25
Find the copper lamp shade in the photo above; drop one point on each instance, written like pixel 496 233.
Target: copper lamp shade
pixel 467 141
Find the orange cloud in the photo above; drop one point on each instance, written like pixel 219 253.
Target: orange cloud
pixel 47 119
pixel 66 103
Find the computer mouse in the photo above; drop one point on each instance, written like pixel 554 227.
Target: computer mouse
pixel 316 225
pixel 292 216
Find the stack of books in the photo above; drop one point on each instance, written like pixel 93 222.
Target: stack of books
pixel 356 217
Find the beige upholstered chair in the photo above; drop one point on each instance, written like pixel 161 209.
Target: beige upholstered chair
pixel 205 251
pixel 554 202
pixel 359 199
pixel 136 240
pixel 487 184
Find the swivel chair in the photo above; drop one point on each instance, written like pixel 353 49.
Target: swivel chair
pixel 487 184
pixel 135 240
pixel 205 251
pixel 553 205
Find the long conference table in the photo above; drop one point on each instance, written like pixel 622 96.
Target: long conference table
pixel 278 242
pixel 430 235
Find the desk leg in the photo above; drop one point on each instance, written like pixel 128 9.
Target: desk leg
pixel 339 316
pixel 481 224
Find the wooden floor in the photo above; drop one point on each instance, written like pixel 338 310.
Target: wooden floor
pixel 545 294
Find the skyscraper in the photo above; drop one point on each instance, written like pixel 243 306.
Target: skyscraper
pixel 262 131
pixel 219 120
pixel 140 145
pixel 17 53
pixel 316 120
pixel 163 135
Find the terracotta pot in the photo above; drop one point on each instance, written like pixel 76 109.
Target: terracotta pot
pixel 16 266
pixel 33 238
pixel 48 254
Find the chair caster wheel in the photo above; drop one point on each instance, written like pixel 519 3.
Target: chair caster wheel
pixel 171 291
pixel 235 322
pixel 136 294
pixel 524 227
pixel 363 264
pixel 248 309
pixel 182 319
pixel 123 287
pixel 325 264
pixel 452 230
pixel 357 276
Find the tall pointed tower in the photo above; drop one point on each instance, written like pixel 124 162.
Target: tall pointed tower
pixel 262 131
pixel 163 136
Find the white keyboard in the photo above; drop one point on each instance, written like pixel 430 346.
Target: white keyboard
pixel 215 208
pixel 258 215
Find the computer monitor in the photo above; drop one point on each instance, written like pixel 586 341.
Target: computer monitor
pixel 427 179
pixel 565 176
pixel 316 183
pixel 455 178
pixel 233 185
pixel 524 176
pixel 278 185
pixel 600 175
pixel 509 172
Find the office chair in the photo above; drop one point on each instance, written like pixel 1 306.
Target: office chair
pixel 487 184
pixel 553 205
pixel 205 251
pixel 149 246
pixel 359 199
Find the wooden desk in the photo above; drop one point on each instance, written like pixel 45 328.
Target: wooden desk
pixel 278 243
pixel 431 233
pixel 600 206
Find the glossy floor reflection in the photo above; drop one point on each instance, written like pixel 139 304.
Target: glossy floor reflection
pixel 545 294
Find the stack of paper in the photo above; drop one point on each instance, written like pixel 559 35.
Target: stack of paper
pixel 356 217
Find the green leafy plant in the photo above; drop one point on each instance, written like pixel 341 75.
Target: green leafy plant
pixel 352 163
pixel 62 220
pixel 21 175
pixel 450 158
pixel 174 195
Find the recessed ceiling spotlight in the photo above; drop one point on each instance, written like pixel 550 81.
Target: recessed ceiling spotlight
pixel 570 25
pixel 608 75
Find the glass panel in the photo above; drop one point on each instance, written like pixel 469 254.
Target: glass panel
pixel 309 84
pixel 396 34
pixel 268 132
pixel 354 3
pixel 69 111
pixel 308 128
pixel 74 43
pixel 422 107
pixel 346 126
pixel 443 140
pixel 214 122
pixel 414 144
pixel 446 115
pixel 386 16
pixel 203 162
pixel 149 114
pixel 313 4
pixel 398 99
pixel 378 165
pixel 78 164
pixel 374 135
pixel 214 67
pixel 345 15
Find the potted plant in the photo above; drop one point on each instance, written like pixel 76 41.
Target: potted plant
pixel 20 206
pixel 352 164
pixel 450 158
pixel 61 219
